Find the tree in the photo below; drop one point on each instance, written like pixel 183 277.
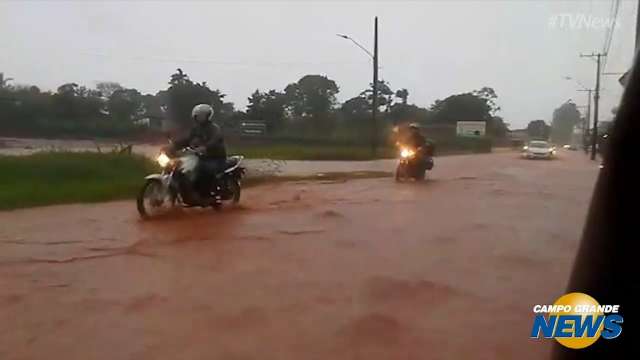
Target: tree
pixel 356 108
pixel 63 101
pixel 402 94
pixel 489 95
pixel 68 90
pixel 77 103
pixel 400 113
pixel 312 95
pixel 183 94
pixel 477 105
pixel 23 108
pixel 565 118
pixel 179 77
pixel 107 88
pixel 385 94
pixel 312 98
pixel 496 127
pixel 461 107
pixel 269 107
pixel 85 92
pixel 4 82
pixel 225 115
pixel 538 129
pixel 153 105
pixel 125 105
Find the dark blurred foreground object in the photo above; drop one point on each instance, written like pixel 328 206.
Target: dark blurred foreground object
pixel 607 265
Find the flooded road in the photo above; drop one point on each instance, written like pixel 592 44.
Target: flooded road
pixel 362 269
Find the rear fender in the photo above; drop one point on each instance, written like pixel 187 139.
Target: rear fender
pixel 235 173
pixel 236 169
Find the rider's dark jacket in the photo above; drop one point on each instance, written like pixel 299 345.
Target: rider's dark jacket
pixel 416 140
pixel 207 135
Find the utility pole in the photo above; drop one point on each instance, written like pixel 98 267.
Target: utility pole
pixel 596 98
pixel 374 111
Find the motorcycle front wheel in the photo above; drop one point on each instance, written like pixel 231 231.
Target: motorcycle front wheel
pixel 153 199
pixel 401 172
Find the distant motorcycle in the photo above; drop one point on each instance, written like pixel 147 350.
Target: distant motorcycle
pixel 174 186
pixel 413 164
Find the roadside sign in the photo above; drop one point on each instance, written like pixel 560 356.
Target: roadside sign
pixel 253 128
pixel 471 128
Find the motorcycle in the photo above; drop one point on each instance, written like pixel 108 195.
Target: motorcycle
pixel 413 164
pixel 174 185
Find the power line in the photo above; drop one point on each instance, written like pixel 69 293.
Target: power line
pixel 613 16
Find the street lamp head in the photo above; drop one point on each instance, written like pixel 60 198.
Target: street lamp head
pixel 342 36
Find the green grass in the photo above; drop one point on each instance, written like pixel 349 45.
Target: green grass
pixel 66 177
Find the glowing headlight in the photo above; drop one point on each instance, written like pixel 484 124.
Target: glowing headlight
pixel 163 159
pixel 406 153
pixel 525 148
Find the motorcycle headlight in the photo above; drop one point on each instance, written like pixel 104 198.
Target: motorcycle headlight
pixel 406 153
pixel 163 159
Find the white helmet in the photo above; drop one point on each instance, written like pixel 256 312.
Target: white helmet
pixel 202 113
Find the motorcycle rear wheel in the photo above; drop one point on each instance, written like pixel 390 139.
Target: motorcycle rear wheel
pixel 235 189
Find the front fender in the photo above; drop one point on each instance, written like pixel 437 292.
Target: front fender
pixel 165 179
pixel 155 176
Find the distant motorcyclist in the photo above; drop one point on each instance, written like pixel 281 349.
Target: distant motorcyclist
pixel 416 140
pixel 414 137
pixel 206 137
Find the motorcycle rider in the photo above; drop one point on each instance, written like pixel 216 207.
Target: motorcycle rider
pixel 206 137
pixel 415 138
pixel 417 141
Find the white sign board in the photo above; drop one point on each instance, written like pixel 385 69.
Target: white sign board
pixel 471 128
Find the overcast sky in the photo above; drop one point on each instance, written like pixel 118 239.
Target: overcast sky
pixel 432 48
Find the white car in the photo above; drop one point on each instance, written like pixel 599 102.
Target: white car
pixel 538 150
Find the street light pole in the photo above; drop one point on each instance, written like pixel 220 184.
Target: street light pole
pixel 374 111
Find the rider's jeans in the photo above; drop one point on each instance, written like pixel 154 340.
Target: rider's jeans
pixel 207 169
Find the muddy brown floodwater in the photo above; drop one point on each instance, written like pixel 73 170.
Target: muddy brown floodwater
pixel 366 269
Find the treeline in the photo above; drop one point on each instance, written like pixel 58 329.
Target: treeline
pixel 306 108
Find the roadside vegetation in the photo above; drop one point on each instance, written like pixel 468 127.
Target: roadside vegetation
pixel 67 177
pixel 308 107
pixel 50 178
pixel 341 151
